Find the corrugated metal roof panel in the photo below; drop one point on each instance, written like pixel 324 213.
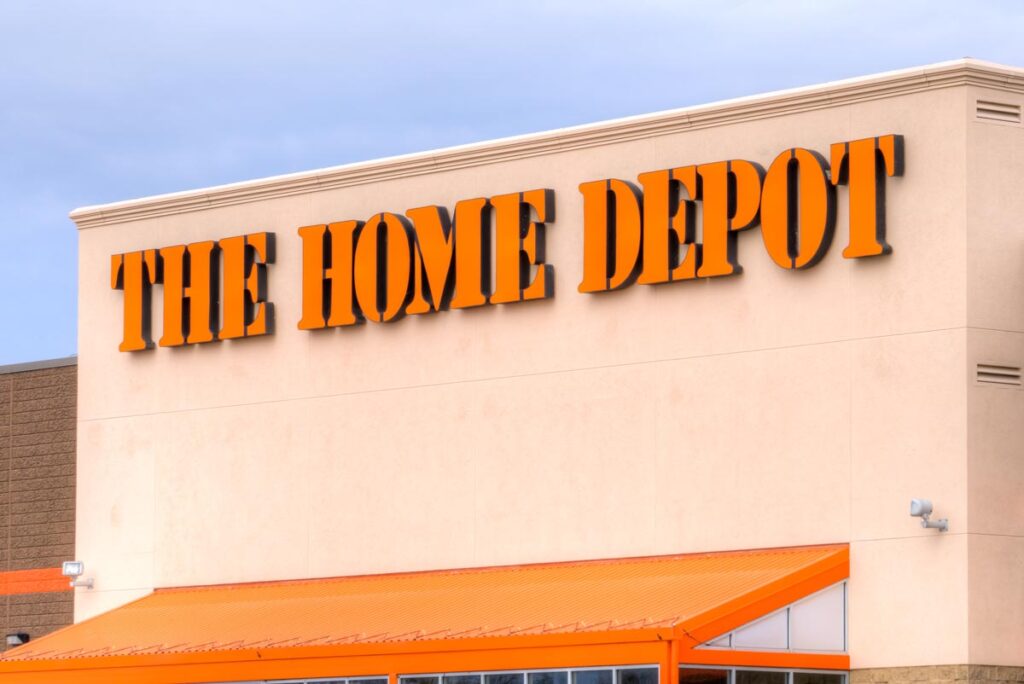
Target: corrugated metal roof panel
pixel 560 598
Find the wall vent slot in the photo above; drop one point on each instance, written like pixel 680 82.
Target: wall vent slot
pixel 999 375
pixel 998 111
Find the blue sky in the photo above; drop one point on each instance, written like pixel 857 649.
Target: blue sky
pixel 105 101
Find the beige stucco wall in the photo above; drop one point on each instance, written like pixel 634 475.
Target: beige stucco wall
pixel 995 316
pixel 773 408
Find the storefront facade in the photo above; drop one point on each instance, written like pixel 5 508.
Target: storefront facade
pixel 704 357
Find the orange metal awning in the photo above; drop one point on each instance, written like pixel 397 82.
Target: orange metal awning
pixel 616 612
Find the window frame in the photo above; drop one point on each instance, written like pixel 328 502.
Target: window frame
pixel 732 669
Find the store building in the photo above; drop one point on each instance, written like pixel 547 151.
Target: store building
pixel 37 496
pixel 449 418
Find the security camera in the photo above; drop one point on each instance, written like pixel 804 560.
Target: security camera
pixel 922 508
pixel 74 570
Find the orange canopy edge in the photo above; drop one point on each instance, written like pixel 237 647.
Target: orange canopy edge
pixel 651 610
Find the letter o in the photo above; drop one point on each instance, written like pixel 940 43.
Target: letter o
pixel 798 209
pixel 383 262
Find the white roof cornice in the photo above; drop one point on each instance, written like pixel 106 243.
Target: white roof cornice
pixel 779 103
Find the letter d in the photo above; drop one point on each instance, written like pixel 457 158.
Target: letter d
pixel 612 229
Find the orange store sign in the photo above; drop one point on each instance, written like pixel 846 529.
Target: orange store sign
pixel 428 260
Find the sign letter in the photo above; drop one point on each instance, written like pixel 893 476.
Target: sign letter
pixel 864 165
pixel 520 246
pixel 732 198
pixel 669 223
pixel 136 273
pixel 382 266
pixel 798 209
pixel 246 310
pixel 612 232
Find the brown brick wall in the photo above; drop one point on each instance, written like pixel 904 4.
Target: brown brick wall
pixel 940 674
pixel 37 490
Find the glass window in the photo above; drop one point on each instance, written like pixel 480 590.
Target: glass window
pixel 548 677
pixel 358 680
pixel 696 675
pixel 646 675
pixel 722 642
pixel 819 622
pixel 760 677
pixel 592 677
pixel 419 680
pixel 768 632
pixel 814 624
pixel 507 678
pixel 461 679
pixel 817 678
